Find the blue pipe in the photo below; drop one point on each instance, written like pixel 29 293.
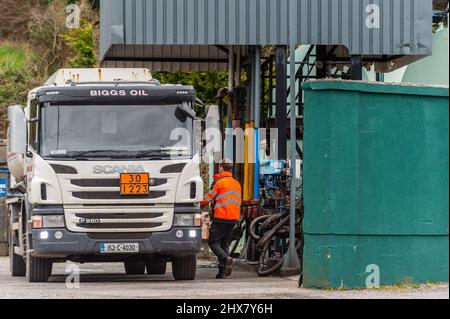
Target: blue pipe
pixel 257 97
pixel 256 170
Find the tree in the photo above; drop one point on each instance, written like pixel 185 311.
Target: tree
pixel 81 46
pixel 206 84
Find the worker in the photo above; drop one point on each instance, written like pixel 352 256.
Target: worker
pixel 225 198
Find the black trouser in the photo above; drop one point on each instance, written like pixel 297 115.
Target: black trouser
pixel 220 237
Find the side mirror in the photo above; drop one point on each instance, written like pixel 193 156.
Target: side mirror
pixel 186 110
pixel 17 130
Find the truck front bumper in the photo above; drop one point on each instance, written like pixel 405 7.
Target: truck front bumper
pixel 63 244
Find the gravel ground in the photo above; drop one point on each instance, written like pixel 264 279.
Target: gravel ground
pixel 109 281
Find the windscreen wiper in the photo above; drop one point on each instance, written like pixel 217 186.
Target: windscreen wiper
pixel 108 153
pixel 151 153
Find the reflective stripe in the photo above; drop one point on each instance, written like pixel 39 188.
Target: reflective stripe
pixel 208 194
pixel 211 192
pixel 208 199
pixel 227 202
pixel 232 192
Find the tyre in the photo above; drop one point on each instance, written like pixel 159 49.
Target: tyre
pixel 134 267
pixel 185 267
pixel 17 264
pixel 156 267
pixel 38 269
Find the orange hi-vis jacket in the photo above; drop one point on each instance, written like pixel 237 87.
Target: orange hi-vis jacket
pixel 225 194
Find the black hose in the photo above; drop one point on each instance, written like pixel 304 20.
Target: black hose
pixel 252 227
pixel 265 221
pixel 268 221
pixel 238 232
pixel 272 232
pixel 265 242
pixel 269 271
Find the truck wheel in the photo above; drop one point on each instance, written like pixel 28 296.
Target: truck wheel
pixel 156 267
pixel 184 268
pixel 38 269
pixel 134 267
pixel 16 262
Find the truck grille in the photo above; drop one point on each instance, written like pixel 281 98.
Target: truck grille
pixel 110 182
pixel 119 219
pixel 121 225
pixel 115 195
pixel 118 215
pixel 107 190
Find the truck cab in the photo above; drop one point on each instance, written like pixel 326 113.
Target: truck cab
pixel 105 169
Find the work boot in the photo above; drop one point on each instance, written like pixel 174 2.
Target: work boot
pixel 221 274
pixel 228 266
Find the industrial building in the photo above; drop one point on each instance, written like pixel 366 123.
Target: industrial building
pixel 259 38
pixel 338 39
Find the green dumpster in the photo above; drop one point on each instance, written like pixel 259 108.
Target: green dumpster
pixel 376 184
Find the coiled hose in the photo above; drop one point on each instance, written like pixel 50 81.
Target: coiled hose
pixel 262 230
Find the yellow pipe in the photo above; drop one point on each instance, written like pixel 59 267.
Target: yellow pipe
pixel 246 168
pixel 251 160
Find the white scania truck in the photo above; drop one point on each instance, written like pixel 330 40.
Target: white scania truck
pixel 99 177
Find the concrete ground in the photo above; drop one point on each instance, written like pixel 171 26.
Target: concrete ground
pixel 109 281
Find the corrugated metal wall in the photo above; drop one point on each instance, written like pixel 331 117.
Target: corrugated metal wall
pixel 404 25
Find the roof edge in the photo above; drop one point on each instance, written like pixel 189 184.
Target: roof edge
pixel 378 87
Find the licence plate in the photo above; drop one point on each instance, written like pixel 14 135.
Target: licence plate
pixel 119 248
pixel 134 184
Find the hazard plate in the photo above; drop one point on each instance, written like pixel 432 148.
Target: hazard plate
pixel 134 184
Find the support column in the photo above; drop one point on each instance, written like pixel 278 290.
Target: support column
pixel 356 67
pixel 281 101
pixel 321 67
pixel 229 150
pixel 291 264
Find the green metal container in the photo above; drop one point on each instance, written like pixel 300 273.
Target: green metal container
pixel 376 184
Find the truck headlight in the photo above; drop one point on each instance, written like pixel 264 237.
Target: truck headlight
pixel 198 220
pixel 53 221
pixel 183 220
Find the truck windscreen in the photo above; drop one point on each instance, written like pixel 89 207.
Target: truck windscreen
pixel 114 131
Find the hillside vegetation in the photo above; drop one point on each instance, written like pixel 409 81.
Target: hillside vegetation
pixel 35 42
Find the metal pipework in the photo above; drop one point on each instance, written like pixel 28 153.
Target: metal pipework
pixel 238 66
pixel 256 101
pixel 281 105
pixel 291 264
pixel 229 152
pixel 231 68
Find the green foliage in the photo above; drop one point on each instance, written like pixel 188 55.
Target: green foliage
pixel 17 76
pixel 81 46
pixel 206 84
pixel 438 26
pixel 11 57
pixel 14 86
